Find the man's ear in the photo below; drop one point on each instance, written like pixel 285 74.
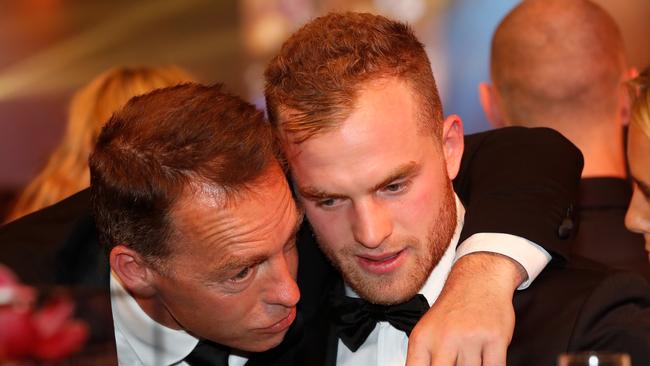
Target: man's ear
pixel 453 144
pixel 132 270
pixel 489 102
pixel 624 97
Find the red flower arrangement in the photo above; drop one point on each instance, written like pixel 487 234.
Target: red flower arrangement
pixel 27 333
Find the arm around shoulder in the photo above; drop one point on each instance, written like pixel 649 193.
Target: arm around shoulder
pixel 520 181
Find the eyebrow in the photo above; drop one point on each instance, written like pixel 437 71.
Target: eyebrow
pixel 235 263
pixel 314 194
pixel 401 172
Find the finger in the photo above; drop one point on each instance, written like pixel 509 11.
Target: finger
pixel 418 356
pixel 470 356
pixel 444 356
pixel 495 354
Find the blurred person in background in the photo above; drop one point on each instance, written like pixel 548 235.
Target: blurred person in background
pixel 561 64
pixel 66 171
pixel 637 218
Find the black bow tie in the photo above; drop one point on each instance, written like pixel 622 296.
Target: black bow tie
pixel 355 319
pixel 207 353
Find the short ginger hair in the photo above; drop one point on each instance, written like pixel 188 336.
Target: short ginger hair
pixel 313 83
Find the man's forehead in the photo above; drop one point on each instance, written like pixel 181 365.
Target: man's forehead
pixel 296 125
pixel 214 216
pixel 201 193
pixel 238 253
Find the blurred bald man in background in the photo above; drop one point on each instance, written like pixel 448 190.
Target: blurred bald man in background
pixel 561 64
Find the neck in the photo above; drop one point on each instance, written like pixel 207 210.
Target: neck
pixel 599 139
pixel 157 311
pixel 603 151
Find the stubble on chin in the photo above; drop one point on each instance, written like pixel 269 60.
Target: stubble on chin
pixel 406 281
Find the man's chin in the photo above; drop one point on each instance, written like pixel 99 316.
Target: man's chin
pixel 383 291
pixel 261 345
pixel 388 298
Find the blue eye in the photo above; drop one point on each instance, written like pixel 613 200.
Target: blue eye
pixel 328 202
pixel 396 187
pixel 393 187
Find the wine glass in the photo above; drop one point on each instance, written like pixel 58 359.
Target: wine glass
pixel 593 359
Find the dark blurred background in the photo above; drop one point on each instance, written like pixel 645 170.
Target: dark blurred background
pixel 49 48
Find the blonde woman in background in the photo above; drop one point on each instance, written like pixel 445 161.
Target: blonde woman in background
pixel 637 218
pixel 66 171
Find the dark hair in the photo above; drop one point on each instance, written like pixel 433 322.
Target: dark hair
pixel 320 69
pixel 161 144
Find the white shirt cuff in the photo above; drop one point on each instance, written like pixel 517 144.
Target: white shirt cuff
pixel 530 255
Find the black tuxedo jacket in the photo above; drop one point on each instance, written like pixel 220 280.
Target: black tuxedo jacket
pixel 602 235
pixel 514 180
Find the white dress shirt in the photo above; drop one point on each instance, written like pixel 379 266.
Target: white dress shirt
pixel 530 255
pixel 141 341
pixel 388 346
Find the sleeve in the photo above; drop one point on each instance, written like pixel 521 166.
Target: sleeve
pixel 523 182
pixel 56 245
pixel 581 307
pixel 528 254
pixel 615 317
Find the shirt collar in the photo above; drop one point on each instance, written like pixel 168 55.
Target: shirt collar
pixel 436 280
pixel 153 343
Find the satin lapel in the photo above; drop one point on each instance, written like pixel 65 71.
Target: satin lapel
pixel 320 342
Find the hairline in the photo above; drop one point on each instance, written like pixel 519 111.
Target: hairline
pixel 425 122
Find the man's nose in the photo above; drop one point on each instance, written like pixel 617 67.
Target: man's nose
pixel 284 289
pixel 372 223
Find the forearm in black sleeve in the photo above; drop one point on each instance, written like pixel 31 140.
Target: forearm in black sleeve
pixel 520 181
